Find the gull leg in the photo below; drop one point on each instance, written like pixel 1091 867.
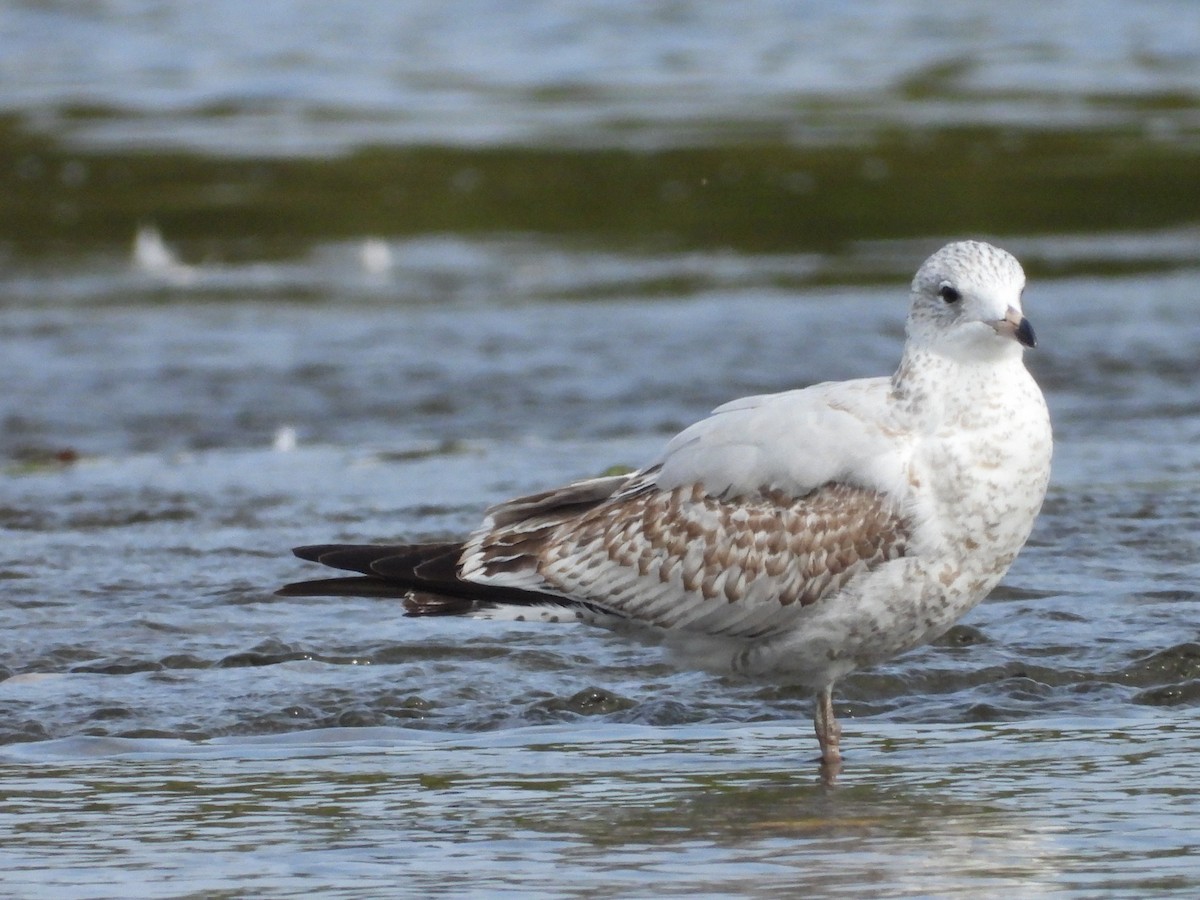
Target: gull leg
pixel 829 732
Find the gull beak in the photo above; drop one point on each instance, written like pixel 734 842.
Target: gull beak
pixel 1017 327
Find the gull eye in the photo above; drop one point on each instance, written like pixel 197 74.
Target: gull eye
pixel 949 293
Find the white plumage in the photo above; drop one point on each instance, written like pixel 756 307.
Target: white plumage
pixel 801 534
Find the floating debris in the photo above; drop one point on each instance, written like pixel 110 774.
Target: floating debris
pixel 153 256
pixel 375 256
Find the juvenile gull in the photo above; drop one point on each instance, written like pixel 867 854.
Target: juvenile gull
pixel 796 536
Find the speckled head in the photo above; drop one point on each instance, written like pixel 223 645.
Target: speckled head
pixel 966 302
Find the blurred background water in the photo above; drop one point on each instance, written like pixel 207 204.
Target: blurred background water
pixel 290 272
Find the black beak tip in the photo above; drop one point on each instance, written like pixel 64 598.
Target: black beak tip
pixel 1025 335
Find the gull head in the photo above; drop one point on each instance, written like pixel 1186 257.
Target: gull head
pixel 966 303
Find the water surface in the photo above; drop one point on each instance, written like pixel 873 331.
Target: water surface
pixel 610 812
pixel 397 262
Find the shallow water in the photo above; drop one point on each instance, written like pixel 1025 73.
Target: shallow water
pixel 373 344
pixel 304 77
pixel 610 811
pixel 147 515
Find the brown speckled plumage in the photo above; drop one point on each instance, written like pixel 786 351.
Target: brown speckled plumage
pixel 765 548
pixel 796 536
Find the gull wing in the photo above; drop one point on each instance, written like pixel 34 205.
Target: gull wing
pixel 769 505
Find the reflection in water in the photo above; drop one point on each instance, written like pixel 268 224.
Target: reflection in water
pixel 630 810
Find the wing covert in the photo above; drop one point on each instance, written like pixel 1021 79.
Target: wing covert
pixel 683 559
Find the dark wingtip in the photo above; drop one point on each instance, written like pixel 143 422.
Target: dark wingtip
pixel 354 586
pixel 313 552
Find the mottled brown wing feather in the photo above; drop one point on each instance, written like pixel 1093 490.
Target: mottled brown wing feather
pixel 673 557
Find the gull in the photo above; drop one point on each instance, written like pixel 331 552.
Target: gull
pixel 792 537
